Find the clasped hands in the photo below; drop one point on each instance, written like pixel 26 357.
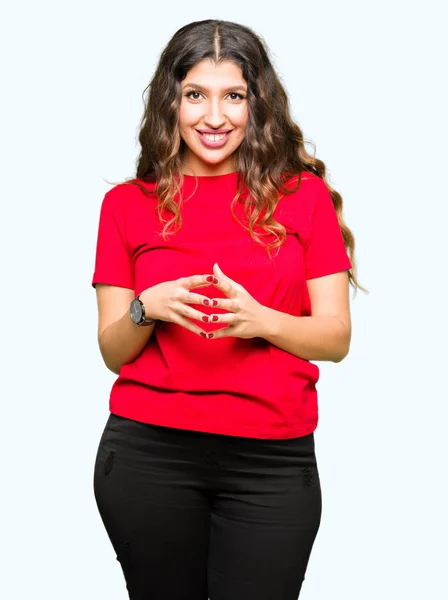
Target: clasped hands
pixel 172 301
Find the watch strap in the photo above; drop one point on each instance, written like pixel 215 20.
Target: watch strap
pixel 145 321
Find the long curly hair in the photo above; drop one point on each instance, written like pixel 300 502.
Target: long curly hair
pixel 272 152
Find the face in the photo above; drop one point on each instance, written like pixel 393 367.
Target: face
pixel 214 99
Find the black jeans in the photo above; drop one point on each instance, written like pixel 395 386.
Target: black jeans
pixel 195 515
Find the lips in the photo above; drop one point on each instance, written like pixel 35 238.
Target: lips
pixel 213 131
pixel 211 143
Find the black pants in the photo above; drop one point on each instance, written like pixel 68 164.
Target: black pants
pixel 194 515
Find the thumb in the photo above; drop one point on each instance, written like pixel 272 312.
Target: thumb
pixel 223 277
pixel 218 272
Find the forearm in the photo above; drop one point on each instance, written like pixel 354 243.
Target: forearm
pixel 122 341
pixel 311 338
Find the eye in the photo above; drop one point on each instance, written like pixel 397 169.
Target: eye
pixel 239 96
pixel 188 94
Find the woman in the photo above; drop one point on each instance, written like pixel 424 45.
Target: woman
pixel 206 477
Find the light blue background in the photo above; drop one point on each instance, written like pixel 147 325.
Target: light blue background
pixel 367 84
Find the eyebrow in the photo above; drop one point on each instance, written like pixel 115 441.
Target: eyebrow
pixel 202 88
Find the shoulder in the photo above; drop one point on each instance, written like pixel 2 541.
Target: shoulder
pixel 307 195
pixel 310 183
pixel 126 194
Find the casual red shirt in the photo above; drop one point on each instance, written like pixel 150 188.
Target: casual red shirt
pixel 232 386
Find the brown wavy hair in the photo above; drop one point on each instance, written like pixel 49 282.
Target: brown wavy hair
pixel 273 149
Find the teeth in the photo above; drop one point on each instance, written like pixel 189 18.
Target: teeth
pixel 214 138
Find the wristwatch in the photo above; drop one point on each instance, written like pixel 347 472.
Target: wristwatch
pixel 137 313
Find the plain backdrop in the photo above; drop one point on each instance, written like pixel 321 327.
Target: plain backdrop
pixel 367 84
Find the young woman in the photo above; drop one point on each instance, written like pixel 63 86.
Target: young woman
pixel 206 477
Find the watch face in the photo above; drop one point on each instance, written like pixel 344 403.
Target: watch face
pixel 136 310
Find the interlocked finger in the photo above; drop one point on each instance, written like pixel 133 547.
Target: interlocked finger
pixel 225 318
pixel 192 298
pixel 196 281
pixel 186 311
pixel 233 305
pixel 180 320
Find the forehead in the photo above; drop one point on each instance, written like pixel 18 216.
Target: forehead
pixel 207 74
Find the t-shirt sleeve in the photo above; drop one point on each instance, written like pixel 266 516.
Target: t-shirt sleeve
pixel 113 264
pixel 325 252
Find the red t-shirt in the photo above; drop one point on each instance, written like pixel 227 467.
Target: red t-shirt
pixel 232 386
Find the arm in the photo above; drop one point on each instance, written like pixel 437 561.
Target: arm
pixel 324 336
pixel 119 338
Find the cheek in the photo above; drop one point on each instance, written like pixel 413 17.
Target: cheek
pixel 189 115
pixel 240 118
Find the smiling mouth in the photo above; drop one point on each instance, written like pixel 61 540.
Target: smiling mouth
pixel 214 137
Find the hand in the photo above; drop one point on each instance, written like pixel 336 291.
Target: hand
pixel 169 301
pixel 245 316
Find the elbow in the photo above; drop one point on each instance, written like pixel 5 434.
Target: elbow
pixel 114 367
pixel 342 353
pixel 340 358
pixel 344 346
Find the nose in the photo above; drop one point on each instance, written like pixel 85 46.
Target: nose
pixel 214 117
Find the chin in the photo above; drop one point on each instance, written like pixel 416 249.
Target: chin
pixel 215 161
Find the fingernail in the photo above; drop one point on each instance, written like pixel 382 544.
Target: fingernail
pixel 215 318
pixel 210 278
pixel 210 335
pixel 215 280
pixel 205 318
pixel 214 302
pixel 204 335
pixel 206 303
